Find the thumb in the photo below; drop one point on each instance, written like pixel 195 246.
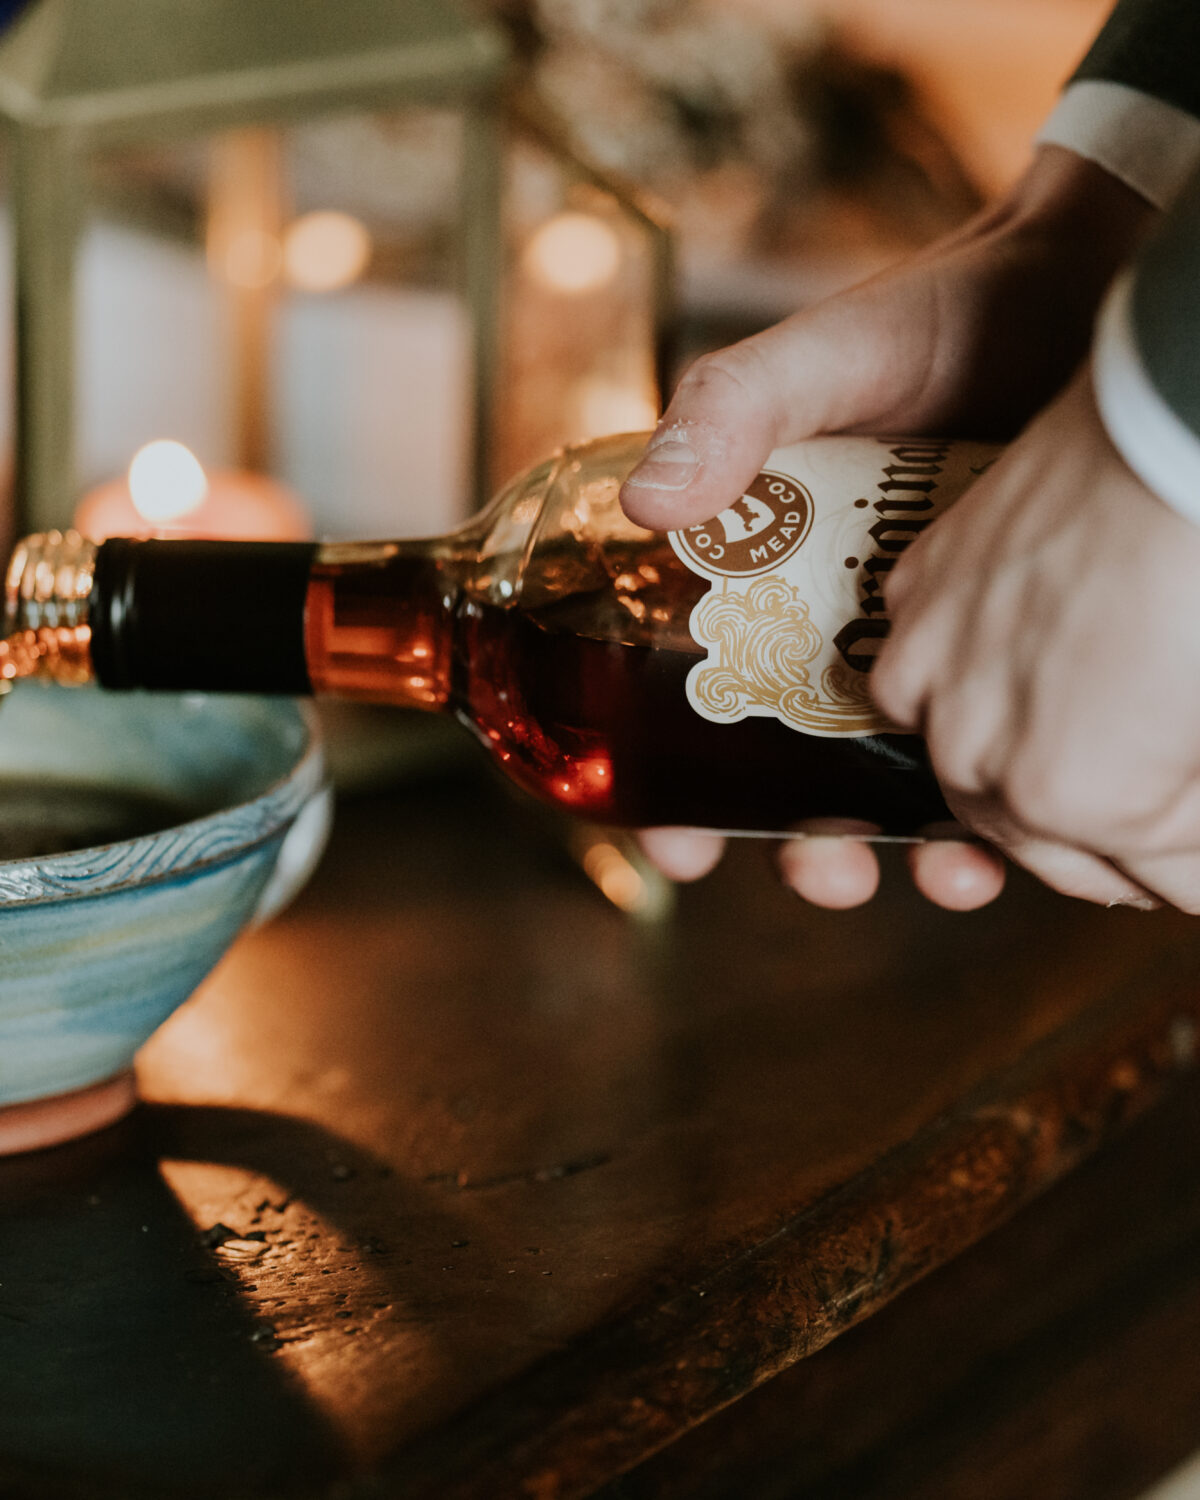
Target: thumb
pixel 818 371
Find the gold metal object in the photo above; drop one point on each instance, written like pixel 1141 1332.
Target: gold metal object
pixel 46 592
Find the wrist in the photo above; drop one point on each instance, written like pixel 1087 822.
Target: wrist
pixel 1032 269
pixel 1065 200
pixel 1138 137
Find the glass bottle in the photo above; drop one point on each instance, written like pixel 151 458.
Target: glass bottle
pixel 715 677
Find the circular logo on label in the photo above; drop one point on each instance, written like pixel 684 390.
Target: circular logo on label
pixel 756 533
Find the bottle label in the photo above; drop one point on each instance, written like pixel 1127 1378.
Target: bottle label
pixel 795 616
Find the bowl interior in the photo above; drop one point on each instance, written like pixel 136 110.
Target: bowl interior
pixel 81 768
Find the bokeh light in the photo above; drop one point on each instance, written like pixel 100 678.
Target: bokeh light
pixel 600 405
pixel 573 253
pixel 325 251
pixel 166 480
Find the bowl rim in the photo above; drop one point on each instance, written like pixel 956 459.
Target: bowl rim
pixel 183 848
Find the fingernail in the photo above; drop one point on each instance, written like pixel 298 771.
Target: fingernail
pixel 1137 903
pixel 671 463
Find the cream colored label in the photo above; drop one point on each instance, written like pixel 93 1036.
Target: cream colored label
pixel 795 616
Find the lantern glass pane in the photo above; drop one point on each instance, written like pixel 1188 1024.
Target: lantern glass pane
pixel 579 352
pixel 372 363
pixel 149 335
pixel 286 301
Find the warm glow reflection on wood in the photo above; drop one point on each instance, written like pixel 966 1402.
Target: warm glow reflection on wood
pixel 308 1284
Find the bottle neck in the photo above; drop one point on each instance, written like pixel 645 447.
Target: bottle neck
pixel 379 620
pixel 367 620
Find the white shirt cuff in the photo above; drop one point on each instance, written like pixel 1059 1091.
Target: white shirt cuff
pixel 1152 146
pixel 1160 448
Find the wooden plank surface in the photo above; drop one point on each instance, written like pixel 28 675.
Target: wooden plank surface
pixel 1056 1358
pixel 455 1182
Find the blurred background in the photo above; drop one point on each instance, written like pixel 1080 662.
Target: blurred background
pixel 299 303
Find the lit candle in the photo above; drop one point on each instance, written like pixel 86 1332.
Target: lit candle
pixel 167 493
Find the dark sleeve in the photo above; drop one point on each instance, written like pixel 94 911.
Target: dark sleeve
pixel 1151 45
pixel 1164 306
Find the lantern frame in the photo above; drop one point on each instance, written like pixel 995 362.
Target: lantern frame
pixel 81 76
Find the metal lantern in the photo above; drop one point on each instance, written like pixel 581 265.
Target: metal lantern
pixel 225 85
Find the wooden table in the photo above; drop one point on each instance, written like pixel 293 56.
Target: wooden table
pixel 455 1182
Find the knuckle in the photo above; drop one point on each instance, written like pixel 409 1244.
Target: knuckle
pixel 1049 796
pixel 1031 796
pixel 1087 798
pixel 891 688
pixel 957 770
pixel 898 577
pixel 737 371
pixel 962 735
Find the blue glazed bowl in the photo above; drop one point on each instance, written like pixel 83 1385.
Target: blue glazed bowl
pixel 139 834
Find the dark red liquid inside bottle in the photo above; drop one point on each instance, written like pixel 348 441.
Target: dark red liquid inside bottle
pixel 605 728
pixel 601 727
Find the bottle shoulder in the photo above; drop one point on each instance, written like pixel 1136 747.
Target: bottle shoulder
pixel 553 529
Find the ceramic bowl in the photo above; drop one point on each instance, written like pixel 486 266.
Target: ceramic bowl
pixel 139 834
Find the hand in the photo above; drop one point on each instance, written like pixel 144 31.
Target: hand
pixel 966 339
pixel 1046 640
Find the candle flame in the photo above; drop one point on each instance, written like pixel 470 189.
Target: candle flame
pixel 166 481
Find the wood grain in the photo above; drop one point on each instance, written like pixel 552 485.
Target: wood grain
pixel 455 1182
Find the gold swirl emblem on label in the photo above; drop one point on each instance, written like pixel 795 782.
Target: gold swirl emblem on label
pixel 764 658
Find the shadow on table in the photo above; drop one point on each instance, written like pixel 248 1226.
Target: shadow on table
pixel 129 1364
